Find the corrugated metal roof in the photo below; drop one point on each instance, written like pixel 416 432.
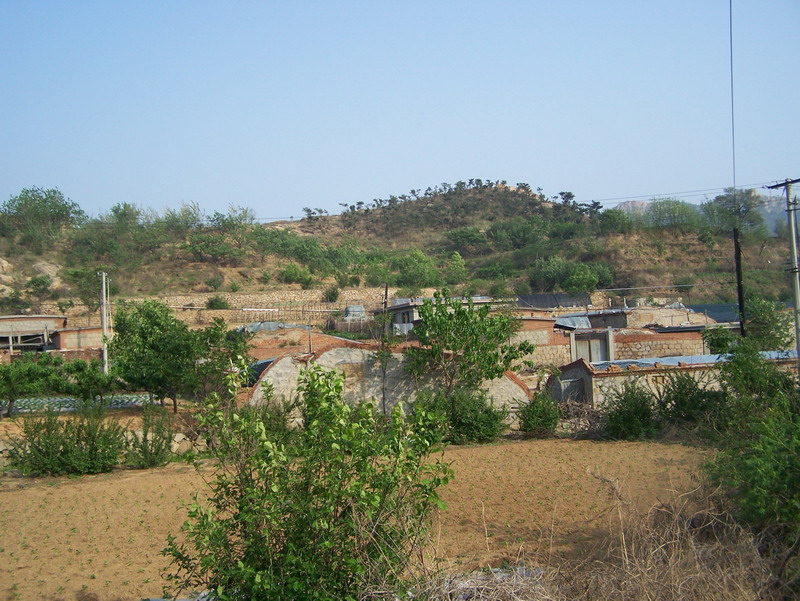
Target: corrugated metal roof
pixel 574 323
pixel 685 360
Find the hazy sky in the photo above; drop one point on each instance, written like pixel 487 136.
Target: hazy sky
pixel 286 104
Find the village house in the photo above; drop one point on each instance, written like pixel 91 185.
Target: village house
pixel 592 383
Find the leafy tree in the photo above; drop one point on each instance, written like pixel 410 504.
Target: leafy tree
pixel 40 286
pixel 469 241
pixel 86 380
pixel 334 517
pixel 463 345
pixel 456 270
pixel 86 284
pixel 735 209
pixel 582 280
pixel 415 270
pixel 670 213
pixel 179 222
pixel 768 325
pixel 36 217
pixel 220 352
pixel 153 351
pixel 19 379
pixel 613 221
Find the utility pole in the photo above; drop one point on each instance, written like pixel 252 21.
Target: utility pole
pixel 737 257
pixel 104 318
pixel 791 209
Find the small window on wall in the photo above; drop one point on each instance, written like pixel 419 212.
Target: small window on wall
pixel 592 348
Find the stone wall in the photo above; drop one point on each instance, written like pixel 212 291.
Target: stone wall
pixel 668 344
pixel 292 305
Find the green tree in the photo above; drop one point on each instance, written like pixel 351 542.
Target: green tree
pixel 735 209
pixel 415 270
pixel 221 352
pixel 86 380
pixel 334 517
pixel 35 217
pixel 582 280
pixel 463 345
pixel 86 284
pixel 19 379
pixel 673 214
pixel 456 270
pixel 151 350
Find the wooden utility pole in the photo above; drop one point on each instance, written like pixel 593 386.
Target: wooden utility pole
pixel 791 209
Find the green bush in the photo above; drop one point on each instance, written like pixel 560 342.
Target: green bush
pixel 214 282
pixel 540 415
pixel 759 469
pixel 81 444
pixel 331 293
pixel 337 521
pixel 685 401
pixel 630 414
pixel 467 415
pixel 153 447
pixel 217 303
pixel 295 274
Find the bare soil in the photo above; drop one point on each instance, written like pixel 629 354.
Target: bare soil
pixel 100 537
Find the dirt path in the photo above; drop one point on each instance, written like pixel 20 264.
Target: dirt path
pixel 100 537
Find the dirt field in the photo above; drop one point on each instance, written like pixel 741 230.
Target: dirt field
pixel 100 537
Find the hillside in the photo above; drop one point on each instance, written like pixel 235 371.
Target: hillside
pixel 476 237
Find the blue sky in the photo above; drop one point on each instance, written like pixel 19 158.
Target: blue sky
pixel 282 105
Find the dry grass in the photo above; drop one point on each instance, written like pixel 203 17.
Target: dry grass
pixel 683 550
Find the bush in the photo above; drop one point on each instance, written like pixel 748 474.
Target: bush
pixel 685 401
pixel 467 415
pixel 338 521
pixel 81 444
pixel 331 294
pixel 153 447
pixel 759 470
pixel 629 413
pixel 217 303
pixel 295 274
pixel 214 282
pixel 540 415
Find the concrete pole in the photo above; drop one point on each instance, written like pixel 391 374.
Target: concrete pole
pixel 104 319
pixel 791 208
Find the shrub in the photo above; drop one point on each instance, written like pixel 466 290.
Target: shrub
pixel 331 294
pixel 214 282
pixel 81 444
pixel 540 415
pixel 338 521
pixel 685 401
pixel 629 413
pixel 216 303
pixel 295 274
pixel 759 470
pixel 467 415
pixel 153 447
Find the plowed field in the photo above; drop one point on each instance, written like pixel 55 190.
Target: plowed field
pixel 100 537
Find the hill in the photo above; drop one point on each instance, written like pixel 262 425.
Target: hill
pixel 476 237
